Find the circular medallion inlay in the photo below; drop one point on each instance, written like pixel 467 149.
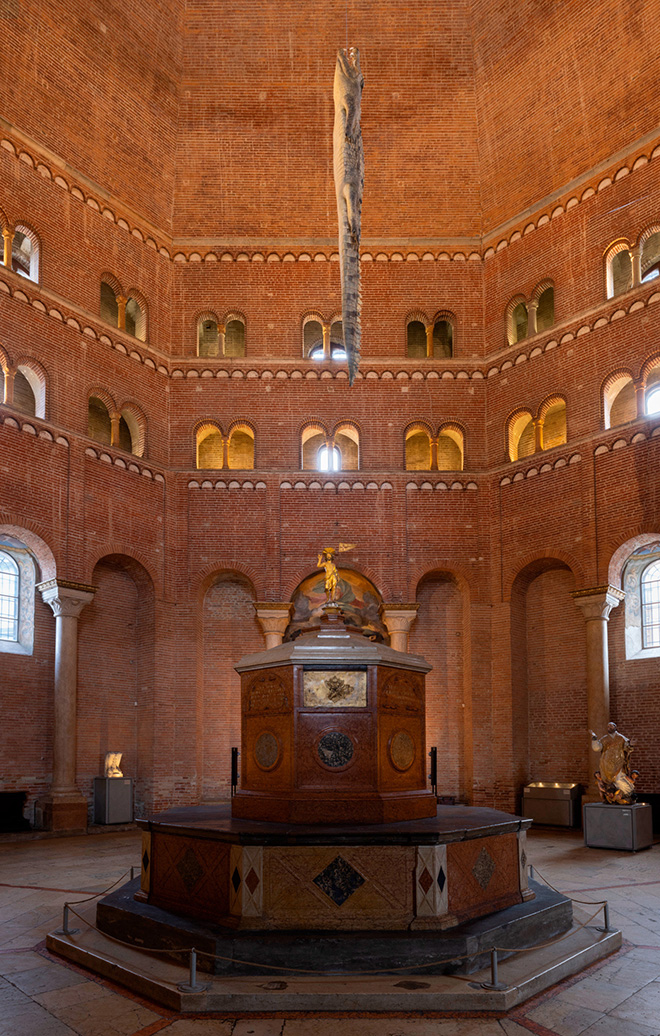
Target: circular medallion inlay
pixel 335 749
pixel 266 750
pixel 402 750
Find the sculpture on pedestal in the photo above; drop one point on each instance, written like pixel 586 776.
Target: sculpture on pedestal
pixel 112 761
pixel 326 561
pixel 615 779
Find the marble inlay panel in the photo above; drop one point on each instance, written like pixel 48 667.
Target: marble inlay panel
pixel 338 887
pixel 431 892
pixel 253 885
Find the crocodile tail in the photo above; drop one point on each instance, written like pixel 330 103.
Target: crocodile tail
pixel 351 306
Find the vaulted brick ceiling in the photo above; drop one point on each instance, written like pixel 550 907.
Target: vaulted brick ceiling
pixel 214 118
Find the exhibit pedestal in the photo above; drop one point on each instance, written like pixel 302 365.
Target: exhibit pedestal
pixel 609 826
pixel 113 800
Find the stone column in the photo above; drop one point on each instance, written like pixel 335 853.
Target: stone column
pixel 640 398
pixel 398 618
pixel 64 808
pixel 274 618
pixel 222 331
pixel 429 339
pixel 121 312
pixel 434 454
pixel 596 604
pixel 327 347
pixel 636 255
pixel 8 240
pixel 538 423
pixel 532 307
pixel 115 418
pixel 10 374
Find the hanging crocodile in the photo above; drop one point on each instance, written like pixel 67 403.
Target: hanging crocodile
pixel 348 160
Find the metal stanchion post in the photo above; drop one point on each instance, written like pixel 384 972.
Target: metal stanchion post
pixel 494 978
pixel 65 930
pixel 193 986
pixel 606 919
pixel 531 871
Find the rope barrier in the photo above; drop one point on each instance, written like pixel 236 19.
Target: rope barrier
pixel 194 986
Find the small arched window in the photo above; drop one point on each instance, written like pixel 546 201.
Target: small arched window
pixel 210 447
pixel 618 269
pixel 25 253
pixel 208 337
pixel 109 309
pixel 450 449
pixel 240 448
pixel 521 440
pixel 9 598
pixel 234 337
pixel 443 338
pixel 136 320
pixel 650 587
pixel 329 459
pixel 99 426
pixel 519 322
pixel 545 311
pixel 619 400
pixel 554 425
pixel 418 450
pixel 653 401
pixel 347 441
pixel 651 257
pixel 24 398
pixel 312 338
pixel 416 340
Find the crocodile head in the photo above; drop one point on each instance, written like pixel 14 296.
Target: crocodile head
pixel 348 66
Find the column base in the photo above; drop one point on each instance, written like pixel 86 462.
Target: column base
pixel 61 814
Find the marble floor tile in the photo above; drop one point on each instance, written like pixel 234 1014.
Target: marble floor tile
pixel 394 1027
pixel 204 1027
pixel 109 1015
pixel 33 1021
pixel 610 1026
pixel 39 979
pixel 642 1006
pixel 563 1018
pixel 259 1027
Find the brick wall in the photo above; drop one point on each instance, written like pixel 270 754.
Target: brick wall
pixel 224 201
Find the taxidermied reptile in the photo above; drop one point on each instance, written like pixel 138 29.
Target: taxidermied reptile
pixel 348 160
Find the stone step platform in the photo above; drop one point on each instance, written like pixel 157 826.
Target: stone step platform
pixel 330 951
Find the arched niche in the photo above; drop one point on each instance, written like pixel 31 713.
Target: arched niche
pixel 441 634
pixel 548 677
pixel 116 678
pixel 359 599
pixel 229 630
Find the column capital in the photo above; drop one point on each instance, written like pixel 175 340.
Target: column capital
pixel 274 617
pixel 596 602
pixel 66 599
pixel 399 618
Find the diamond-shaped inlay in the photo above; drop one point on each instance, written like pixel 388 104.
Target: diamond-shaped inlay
pixel 483 869
pixel 252 880
pixel 425 880
pixel 190 869
pixel 145 860
pixel 523 859
pixel 236 879
pixel 339 880
pixel 442 880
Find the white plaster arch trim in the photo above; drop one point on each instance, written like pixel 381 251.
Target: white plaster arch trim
pixel 611 388
pixel 653 228
pixel 35 256
pixel 137 424
pixel 550 401
pixel 517 300
pixel 622 245
pixel 36 376
pixel 35 544
pixel 417 315
pixel 235 314
pixel 624 552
